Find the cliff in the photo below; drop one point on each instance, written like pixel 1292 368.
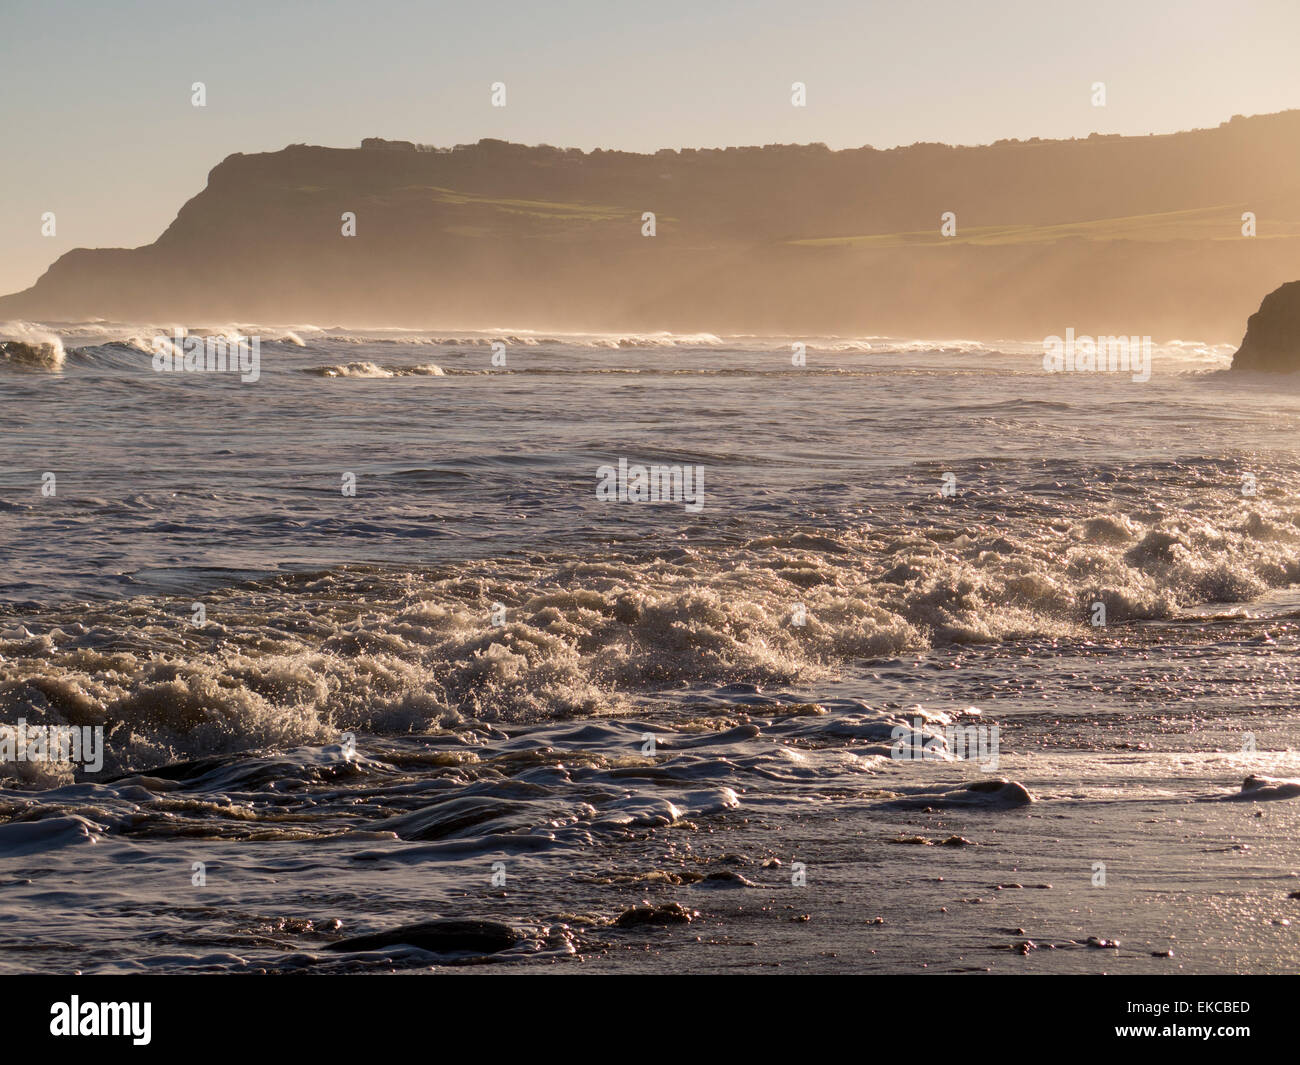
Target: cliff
pixel 1105 234
pixel 1272 340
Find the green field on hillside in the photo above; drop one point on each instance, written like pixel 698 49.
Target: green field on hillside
pixel 1203 223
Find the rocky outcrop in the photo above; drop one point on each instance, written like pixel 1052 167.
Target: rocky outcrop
pixel 1272 341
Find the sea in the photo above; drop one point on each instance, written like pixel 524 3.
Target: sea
pixel 669 652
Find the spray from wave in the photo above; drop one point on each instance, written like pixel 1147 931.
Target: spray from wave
pixel 30 347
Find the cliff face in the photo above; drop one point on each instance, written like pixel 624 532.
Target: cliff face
pixel 1109 235
pixel 1272 341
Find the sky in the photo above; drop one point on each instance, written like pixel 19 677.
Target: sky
pixel 98 126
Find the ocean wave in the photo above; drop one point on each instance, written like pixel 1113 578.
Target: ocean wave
pixel 30 347
pixel 391 650
pixel 1176 355
pixel 374 370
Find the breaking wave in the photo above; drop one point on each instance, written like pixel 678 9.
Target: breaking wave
pixel 294 659
pixel 371 369
pixel 29 347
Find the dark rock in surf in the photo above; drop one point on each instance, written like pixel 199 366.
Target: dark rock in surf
pixel 439 937
pixel 668 913
pixel 1257 788
pixel 727 878
pixel 991 793
pixel 1272 340
pixel 1002 792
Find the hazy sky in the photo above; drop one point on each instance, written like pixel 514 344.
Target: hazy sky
pixel 97 124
